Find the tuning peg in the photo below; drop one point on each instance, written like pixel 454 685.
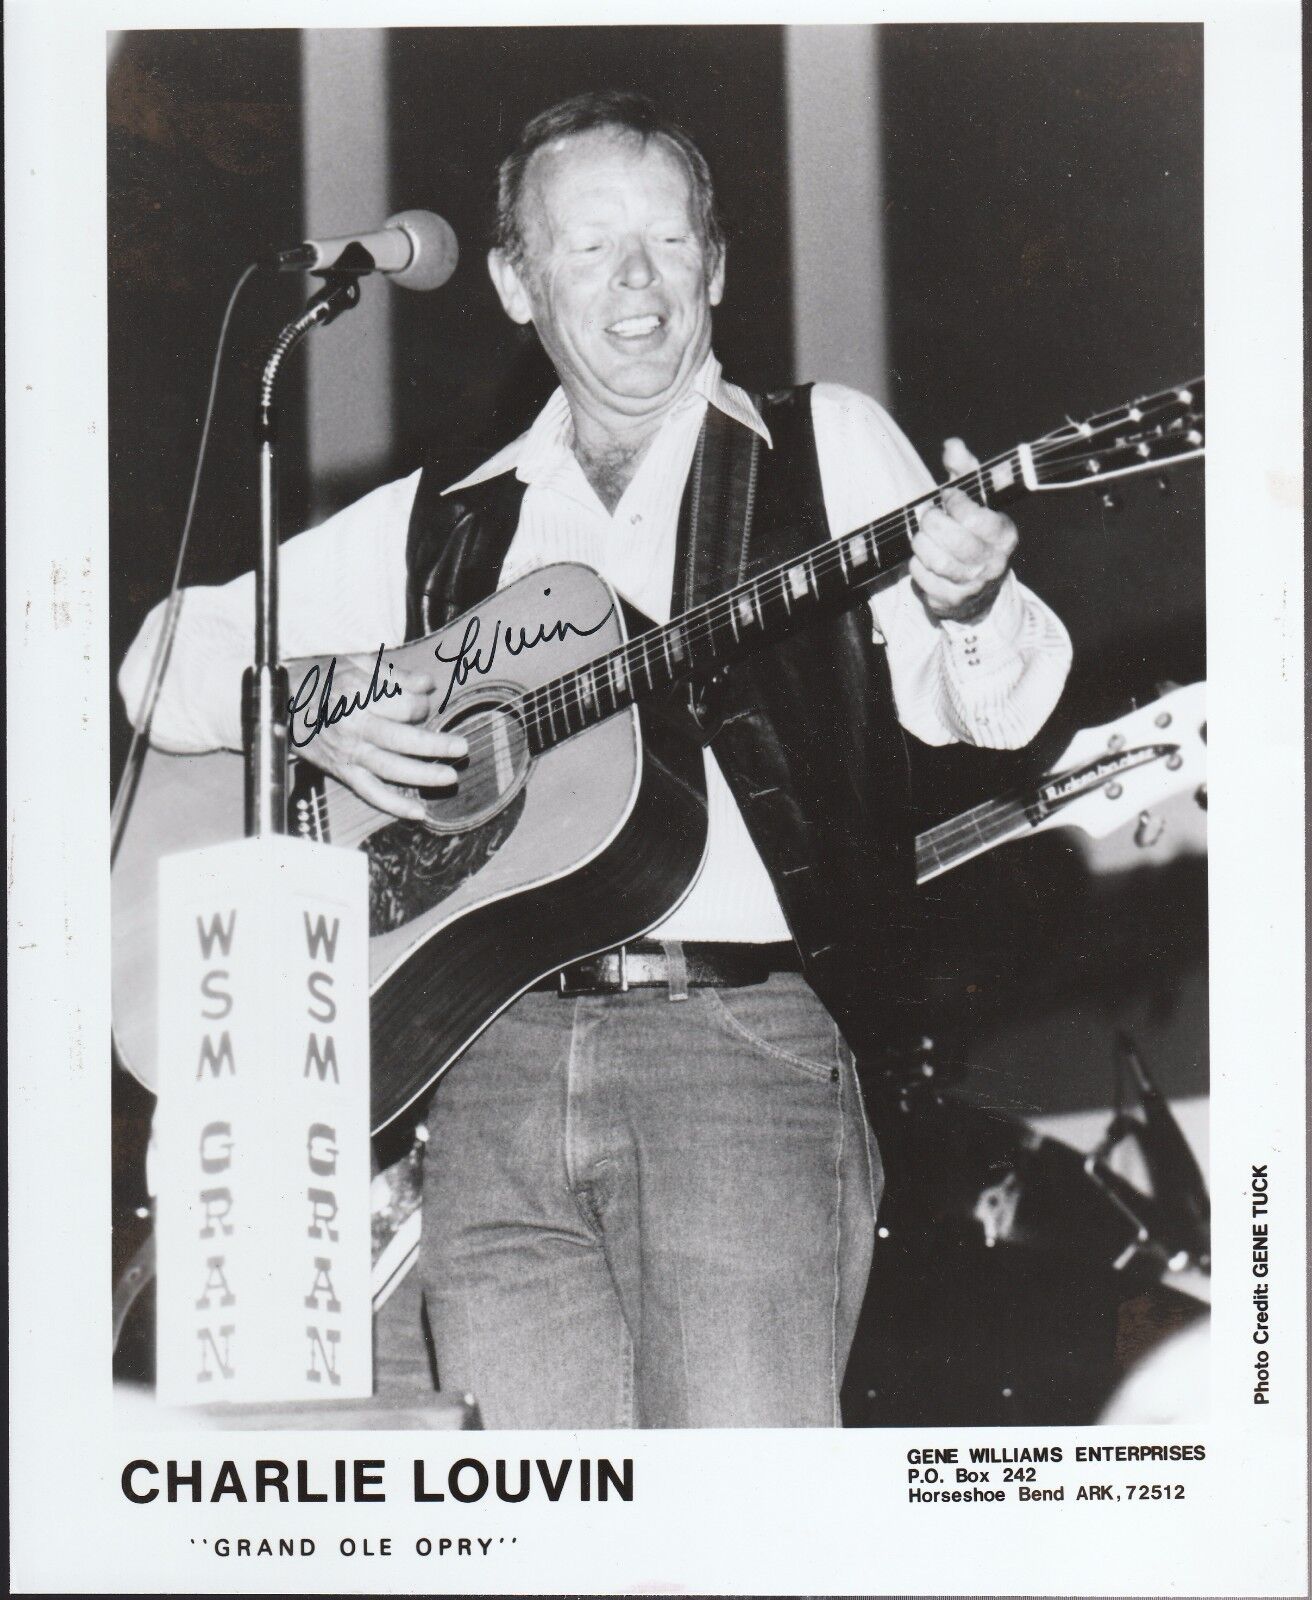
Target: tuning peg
pixel 1163 483
pixel 1148 830
pixel 1109 500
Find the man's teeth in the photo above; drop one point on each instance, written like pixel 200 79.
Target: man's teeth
pixel 634 327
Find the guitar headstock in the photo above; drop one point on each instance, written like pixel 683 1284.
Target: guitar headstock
pixel 1136 786
pixel 1145 436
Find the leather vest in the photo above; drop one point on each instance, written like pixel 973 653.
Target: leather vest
pixel 806 732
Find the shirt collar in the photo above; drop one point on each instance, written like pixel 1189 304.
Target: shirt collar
pixel 551 433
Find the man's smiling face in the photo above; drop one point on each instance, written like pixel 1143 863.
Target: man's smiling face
pixel 616 276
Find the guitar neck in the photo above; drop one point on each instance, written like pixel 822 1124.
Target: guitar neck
pixel 941 848
pixel 751 616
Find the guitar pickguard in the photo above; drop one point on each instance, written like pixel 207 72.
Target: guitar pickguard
pixel 412 869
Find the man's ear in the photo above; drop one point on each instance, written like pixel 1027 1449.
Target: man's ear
pixel 509 287
pixel 715 284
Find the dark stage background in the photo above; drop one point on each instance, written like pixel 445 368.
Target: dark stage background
pixel 1042 213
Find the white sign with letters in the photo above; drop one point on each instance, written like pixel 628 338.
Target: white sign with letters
pixel 262 1129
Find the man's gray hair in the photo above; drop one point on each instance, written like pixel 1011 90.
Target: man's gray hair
pixel 619 109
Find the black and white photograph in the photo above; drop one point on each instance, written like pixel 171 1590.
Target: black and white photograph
pixel 655 601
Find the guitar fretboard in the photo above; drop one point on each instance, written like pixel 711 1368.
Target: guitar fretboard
pixel 940 848
pixel 748 617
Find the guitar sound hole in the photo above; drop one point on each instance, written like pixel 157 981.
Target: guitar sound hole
pixel 495 769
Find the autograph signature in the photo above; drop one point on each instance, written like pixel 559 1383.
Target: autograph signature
pixel 315 699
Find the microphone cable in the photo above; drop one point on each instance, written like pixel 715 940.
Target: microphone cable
pixel 173 602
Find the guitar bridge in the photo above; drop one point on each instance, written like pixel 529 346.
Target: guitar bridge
pixel 307 805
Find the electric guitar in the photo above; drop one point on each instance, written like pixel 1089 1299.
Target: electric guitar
pixel 578 821
pixel 1135 785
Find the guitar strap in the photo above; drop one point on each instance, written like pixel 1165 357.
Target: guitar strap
pixel 729 492
pixel 716 516
pixel 730 487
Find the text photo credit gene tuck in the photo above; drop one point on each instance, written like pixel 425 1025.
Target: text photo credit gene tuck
pixel 746 676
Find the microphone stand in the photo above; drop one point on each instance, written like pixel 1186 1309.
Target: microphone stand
pixel 265 693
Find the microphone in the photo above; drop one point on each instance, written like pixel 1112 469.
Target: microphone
pixel 417 249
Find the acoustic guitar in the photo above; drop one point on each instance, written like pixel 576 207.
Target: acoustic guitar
pixel 579 819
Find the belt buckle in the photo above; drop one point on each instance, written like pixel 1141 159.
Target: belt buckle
pixel 602 983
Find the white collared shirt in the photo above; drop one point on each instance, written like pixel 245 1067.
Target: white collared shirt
pixel 991 683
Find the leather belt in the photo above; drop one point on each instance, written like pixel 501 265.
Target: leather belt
pixel 647 964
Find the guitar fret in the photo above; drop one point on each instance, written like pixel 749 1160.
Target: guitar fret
pixel 551 717
pixel 965 836
pixel 744 615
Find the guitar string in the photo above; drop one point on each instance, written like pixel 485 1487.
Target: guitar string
pixel 565 696
pixel 369 819
pixel 562 694
pixel 970 826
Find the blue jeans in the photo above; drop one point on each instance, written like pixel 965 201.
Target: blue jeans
pixel 654 1213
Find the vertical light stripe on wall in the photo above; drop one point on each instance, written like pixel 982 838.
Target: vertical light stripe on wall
pixel 835 188
pixel 344 112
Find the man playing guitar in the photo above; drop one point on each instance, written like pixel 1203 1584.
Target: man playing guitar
pixel 650 1188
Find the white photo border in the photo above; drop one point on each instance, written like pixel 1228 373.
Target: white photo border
pixel 713 1512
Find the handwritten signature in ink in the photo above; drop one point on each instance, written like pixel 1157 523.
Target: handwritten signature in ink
pixel 315 699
